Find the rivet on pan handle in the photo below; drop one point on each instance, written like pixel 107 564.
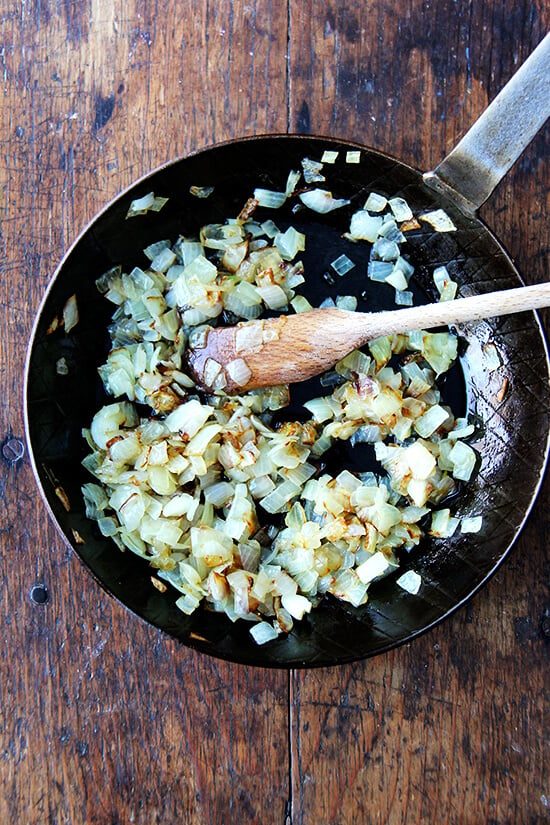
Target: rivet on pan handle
pixel 482 158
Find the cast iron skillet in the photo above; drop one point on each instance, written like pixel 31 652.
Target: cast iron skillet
pixel 512 438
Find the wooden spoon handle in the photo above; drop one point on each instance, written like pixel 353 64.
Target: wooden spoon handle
pixel 293 348
pixel 473 308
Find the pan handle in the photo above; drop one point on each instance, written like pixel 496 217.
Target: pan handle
pixel 480 160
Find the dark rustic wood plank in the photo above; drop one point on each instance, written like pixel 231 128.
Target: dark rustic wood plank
pixel 451 728
pixel 102 719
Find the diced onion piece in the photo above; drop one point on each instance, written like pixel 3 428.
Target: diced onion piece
pixel 70 313
pixel 446 287
pixel 234 255
pixel 431 420
pixel 273 296
pixel 448 293
pixel 353 156
pixel 439 220
pixel 257 243
pixel 404 298
pixel 329 156
pixel 163 260
pixel 464 460
pixel 410 581
pixel 378 271
pixel 188 418
pixel 471 524
pixel 201 191
pixel 291 183
pixel 319 200
pixel 220 493
pixel 461 430
pixel 348 586
pixel 106 423
pixel 290 243
pixel 263 632
pixel 320 409
pixel 61 366
pixel 438 348
pixel 346 302
pixel 269 199
pixel 296 605
pixel 190 250
pixel 364 227
pixel 390 231
pixel 401 209
pixel 397 280
pixel 300 304
pixel 376 202
pixel 220 236
pixel 441 277
pixel 373 568
pixel 405 267
pixel 443 525
pixel 492 358
pixel 270 228
pixel 312 171
pixel 420 460
pixel 238 371
pixel 140 206
pixel 211 370
pixel 279 498
pixel 342 265
pixel 261 486
pixel 385 250
pixel 249 337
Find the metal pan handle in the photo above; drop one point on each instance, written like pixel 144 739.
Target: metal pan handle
pixel 481 159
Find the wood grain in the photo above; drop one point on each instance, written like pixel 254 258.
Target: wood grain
pixel 451 728
pixel 102 719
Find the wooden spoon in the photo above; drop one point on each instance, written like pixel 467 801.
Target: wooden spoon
pixel 292 348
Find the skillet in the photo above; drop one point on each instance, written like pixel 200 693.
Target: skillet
pixel 511 404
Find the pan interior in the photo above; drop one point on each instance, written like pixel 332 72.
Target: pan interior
pixel 512 438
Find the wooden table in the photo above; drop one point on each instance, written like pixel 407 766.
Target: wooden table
pixel 104 721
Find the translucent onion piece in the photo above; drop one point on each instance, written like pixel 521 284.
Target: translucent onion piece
pixel 263 632
pixel 140 206
pixel 269 199
pixel 312 171
pixel 401 209
pixel 404 298
pixel 439 220
pixel 290 243
pixel 346 302
pixel 300 304
pixel 373 568
pixel 70 313
pixel 376 202
pixel 410 581
pixel 364 226
pixel 471 524
pixel 238 371
pixel 342 265
pixel 319 200
pixel 201 191
pixel 492 358
pixel 353 156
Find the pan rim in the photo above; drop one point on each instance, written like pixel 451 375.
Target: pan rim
pixel 196 644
